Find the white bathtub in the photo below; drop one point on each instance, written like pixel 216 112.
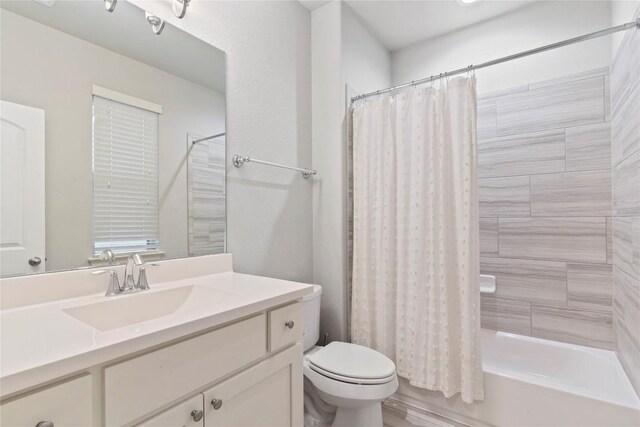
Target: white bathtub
pixel 536 382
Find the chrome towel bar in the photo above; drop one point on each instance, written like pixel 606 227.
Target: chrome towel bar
pixel 239 160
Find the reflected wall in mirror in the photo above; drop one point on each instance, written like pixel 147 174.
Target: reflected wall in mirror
pixel 99 116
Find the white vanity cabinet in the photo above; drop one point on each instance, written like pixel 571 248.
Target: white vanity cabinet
pixel 230 354
pixel 62 405
pixel 268 393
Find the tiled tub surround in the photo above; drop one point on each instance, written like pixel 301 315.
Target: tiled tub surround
pixel 545 190
pixel 625 120
pixel 206 197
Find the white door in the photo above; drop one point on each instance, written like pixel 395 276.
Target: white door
pixel 22 237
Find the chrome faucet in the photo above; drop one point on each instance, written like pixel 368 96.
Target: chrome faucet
pixel 129 285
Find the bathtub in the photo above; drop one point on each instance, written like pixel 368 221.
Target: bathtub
pixel 535 382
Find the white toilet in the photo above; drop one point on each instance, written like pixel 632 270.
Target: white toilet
pixel 353 378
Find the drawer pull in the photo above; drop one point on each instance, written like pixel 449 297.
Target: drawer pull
pixel 196 415
pixel 289 324
pixel 217 403
pixel 45 424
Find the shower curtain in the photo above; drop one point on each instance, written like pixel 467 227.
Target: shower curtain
pixel 415 278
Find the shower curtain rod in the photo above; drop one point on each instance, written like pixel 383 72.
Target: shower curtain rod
pixel 208 137
pixel 596 34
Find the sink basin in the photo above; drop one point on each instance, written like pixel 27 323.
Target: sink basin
pixel 125 310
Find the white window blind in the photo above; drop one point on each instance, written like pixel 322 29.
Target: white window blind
pixel 125 178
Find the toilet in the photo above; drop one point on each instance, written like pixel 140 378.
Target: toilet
pixel 353 378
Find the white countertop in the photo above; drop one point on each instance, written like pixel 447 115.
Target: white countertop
pixel 42 342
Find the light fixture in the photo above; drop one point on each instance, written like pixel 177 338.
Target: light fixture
pixel 467 2
pixel 110 5
pixel 157 24
pixel 179 7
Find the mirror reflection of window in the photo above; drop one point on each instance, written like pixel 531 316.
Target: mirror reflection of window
pixel 125 178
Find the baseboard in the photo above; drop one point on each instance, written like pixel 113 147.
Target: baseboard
pixel 397 413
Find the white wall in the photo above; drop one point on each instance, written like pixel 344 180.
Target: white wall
pixel 268 92
pixel 344 53
pixel 538 24
pixel 64 91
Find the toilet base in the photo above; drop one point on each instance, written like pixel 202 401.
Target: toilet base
pixel 366 415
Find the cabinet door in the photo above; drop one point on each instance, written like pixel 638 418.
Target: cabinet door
pixel 183 414
pixel 268 394
pixel 65 405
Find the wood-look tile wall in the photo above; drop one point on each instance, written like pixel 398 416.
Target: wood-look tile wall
pixel 625 122
pixel 545 193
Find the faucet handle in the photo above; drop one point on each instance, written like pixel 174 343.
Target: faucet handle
pixel 143 283
pixel 114 284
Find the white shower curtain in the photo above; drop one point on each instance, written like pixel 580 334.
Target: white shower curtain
pixel 415 289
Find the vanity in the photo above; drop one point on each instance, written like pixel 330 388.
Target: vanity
pixel 205 346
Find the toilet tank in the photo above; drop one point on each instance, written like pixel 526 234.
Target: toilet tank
pixel 311 309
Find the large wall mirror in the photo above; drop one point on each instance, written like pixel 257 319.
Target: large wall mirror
pixel 113 137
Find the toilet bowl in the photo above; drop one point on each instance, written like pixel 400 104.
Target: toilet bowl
pixel 353 378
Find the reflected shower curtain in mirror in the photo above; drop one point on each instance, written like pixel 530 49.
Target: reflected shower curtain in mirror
pixel 416 273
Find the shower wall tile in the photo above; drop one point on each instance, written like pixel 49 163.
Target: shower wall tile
pixel 609 240
pixel 607 98
pixel 577 326
pixel 589 286
pixel 503 92
pixel 596 72
pixel 589 147
pixel 561 239
pixel 489 237
pixel 528 280
pixel 625 71
pixel 486 118
pixel 626 186
pixel 625 133
pixel 504 196
pixel 505 315
pixel 532 153
pixel 545 204
pixel 571 194
pixel 626 232
pixel 626 310
pixel 626 127
pixel 574 103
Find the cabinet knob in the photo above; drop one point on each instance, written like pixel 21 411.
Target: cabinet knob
pixel 45 424
pixel 196 415
pixel 33 262
pixel 289 324
pixel 217 403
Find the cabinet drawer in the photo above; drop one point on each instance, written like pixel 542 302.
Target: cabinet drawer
pixel 65 405
pixel 285 326
pixel 140 385
pixel 179 415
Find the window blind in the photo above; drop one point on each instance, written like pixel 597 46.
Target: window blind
pixel 125 178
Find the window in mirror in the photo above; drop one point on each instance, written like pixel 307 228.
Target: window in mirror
pixel 125 178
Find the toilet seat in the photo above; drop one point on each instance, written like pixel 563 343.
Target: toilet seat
pixel 352 363
pixel 351 380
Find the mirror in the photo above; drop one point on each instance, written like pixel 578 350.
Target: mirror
pixel 99 118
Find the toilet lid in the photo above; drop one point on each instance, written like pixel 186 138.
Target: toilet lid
pixel 353 361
